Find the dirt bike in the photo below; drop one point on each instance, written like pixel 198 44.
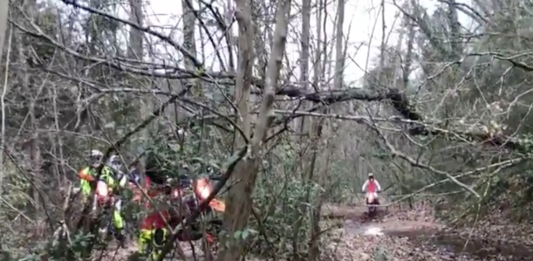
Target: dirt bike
pixel 212 224
pixel 182 202
pixel 106 202
pixel 372 203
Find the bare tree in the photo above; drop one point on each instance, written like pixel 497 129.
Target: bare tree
pixel 135 48
pixel 4 12
pixel 239 198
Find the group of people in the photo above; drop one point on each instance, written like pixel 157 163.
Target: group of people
pixel 153 229
pixel 113 178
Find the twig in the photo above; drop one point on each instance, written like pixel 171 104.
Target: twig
pixel 500 166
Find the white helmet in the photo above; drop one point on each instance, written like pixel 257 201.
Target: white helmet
pixel 114 160
pixel 96 153
pixel 95 158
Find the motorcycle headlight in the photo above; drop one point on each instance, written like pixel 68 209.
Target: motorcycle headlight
pixel 176 193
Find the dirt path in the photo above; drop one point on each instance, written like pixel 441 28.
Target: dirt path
pixel 396 234
pixel 414 235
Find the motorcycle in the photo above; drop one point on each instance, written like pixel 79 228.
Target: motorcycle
pixel 212 223
pixel 182 197
pixel 106 203
pixel 371 202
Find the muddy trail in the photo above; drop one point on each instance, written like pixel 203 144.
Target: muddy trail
pixel 399 234
pixel 414 234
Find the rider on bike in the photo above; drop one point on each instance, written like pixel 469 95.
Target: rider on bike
pixel 371 185
pixel 113 178
pixel 154 230
pixel 135 176
pixel 120 181
pixel 88 174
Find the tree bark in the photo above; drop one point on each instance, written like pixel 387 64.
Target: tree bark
pixel 135 48
pixel 135 52
pixel 300 125
pixel 304 55
pixel 4 12
pixel 239 202
pixel 28 89
pixel 189 39
pixel 339 51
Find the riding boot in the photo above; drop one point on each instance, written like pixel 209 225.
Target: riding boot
pixel 119 226
pixel 122 238
pixel 144 242
pixel 159 238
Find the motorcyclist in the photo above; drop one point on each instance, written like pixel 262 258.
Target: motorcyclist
pixel 135 176
pixel 88 174
pixel 371 185
pixel 154 229
pixel 120 180
pixel 113 178
pixel 115 164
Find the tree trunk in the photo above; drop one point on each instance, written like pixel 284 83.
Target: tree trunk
pixel 300 124
pixel 304 55
pixel 4 11
pixel 135 48
pixel 455 31
pixel 339 51
pixel 239 202
pixel 30 93
pixel 135 52
pixel 316 137
pixel 189 39
pixel 319 128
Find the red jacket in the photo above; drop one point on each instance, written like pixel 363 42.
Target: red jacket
pixel 156 215
pixel 371 186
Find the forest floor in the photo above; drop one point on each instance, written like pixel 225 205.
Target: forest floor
pixel 414 234
pixel 404 234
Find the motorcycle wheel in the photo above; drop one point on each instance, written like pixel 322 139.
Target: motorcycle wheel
pixel 157 241
pixel 103 235
pixel 105 232
pixel 217 225
pixel 372 210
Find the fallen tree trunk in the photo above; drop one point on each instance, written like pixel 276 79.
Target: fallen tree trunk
pixel 401 104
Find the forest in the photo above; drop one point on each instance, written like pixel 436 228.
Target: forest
pixel 286 111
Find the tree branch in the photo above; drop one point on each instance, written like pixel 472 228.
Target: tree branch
pixel 147 30
pixel 416 163
pixel 398 100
